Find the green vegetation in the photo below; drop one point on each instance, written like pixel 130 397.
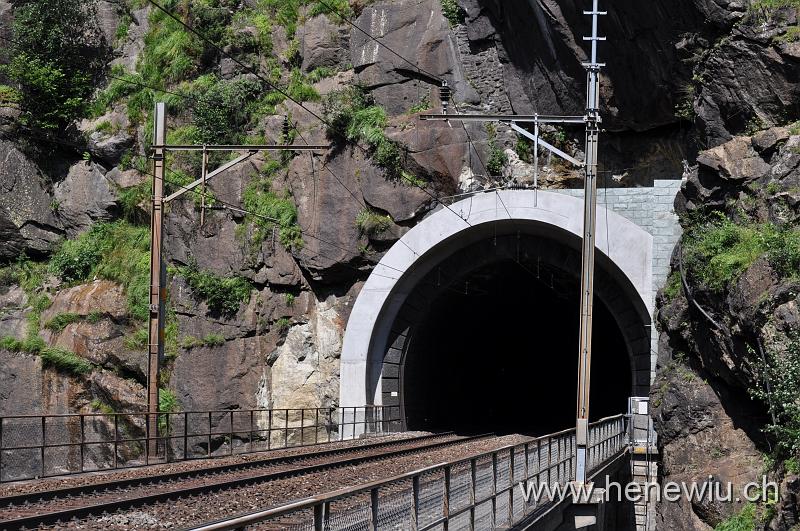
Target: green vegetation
pixel 131 200
pixel 423 105
pixel 792 465
pixel 270 211
pixel 210 340
pixel 300 88
pixel 718 250
pixel 453 12
pixel 102 407
pixel 214 340
pixel 524 149
pixel 497 157
pixel 56 56
pixel 9 96
pixel 137 340
pixel 673 286
pixel 61 320
pixel 781 373
pixel 222 109
pixel 371 223
pixel 283 324
pixel 123 27
pixel 340 6
pixel 115 251
pixel 754 125
pixel 320 73
pixel 684 109
pixel 353 116
pixel 94 316
pixel 221 294
pixel 289 297
pixel 65 360
pixel 744 520
pixel 167 403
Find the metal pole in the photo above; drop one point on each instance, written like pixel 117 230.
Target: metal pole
pixel 157 295
pixel 536 155
pixel 203 173
pixel 587 268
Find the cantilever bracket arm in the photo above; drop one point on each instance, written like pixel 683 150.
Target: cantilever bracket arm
pixel 546 145
pixel 507 118
pixel 198 182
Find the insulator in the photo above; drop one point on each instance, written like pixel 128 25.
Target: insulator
pixel 444 96
pixel 286 129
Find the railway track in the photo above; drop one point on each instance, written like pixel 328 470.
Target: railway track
pixel 62 505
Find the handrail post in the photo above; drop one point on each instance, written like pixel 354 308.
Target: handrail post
pixel 446 502
pixel 44 422
pixel 373 497
pixel 208 452
pixel 526 478
pixel 415 502
pixel 269 430
pixel 511 484
pixel 286 430
pixel 2 445
pixel 319 517
pixel 116 440
pixel 302 427
pixel 185 435
pixel 251 430
pixel 473 496
pixel 494 489
pixel 83 440
pixel 316 425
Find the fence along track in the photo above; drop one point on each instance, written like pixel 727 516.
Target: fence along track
pixel 200 482
pixel 37 446
pixel 474 493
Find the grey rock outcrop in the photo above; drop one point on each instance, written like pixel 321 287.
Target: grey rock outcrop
pixel 417 31
pixel 84 197
pixel 322 43
pixel 27 221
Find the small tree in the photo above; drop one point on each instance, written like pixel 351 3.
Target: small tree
pixel 57 54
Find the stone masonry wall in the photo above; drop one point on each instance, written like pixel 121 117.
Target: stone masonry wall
pixel 652 208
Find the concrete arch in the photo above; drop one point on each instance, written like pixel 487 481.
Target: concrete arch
pixel 624 252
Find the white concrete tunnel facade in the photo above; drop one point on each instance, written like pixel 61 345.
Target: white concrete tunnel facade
pixel 626 245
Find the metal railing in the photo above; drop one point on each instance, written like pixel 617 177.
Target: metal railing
pixel 33 446
pixel 480 492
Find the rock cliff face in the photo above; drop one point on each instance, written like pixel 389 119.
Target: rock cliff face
pixel 714 340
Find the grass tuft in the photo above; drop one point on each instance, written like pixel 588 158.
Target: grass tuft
pixel 65 360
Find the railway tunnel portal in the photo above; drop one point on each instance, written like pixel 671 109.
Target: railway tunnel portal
pixel 470 323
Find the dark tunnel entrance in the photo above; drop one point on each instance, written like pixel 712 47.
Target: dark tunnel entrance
pixel 496 351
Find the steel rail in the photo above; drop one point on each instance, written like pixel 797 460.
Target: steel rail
pixel 6 501
pixel 241 521
pixel 64 515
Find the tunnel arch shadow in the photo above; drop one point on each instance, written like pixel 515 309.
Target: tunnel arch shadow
pixel 390 365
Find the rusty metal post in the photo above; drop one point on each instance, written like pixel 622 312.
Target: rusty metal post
pixel 83 439
pixel 157 295
pixel 44 439
pixel 203 173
